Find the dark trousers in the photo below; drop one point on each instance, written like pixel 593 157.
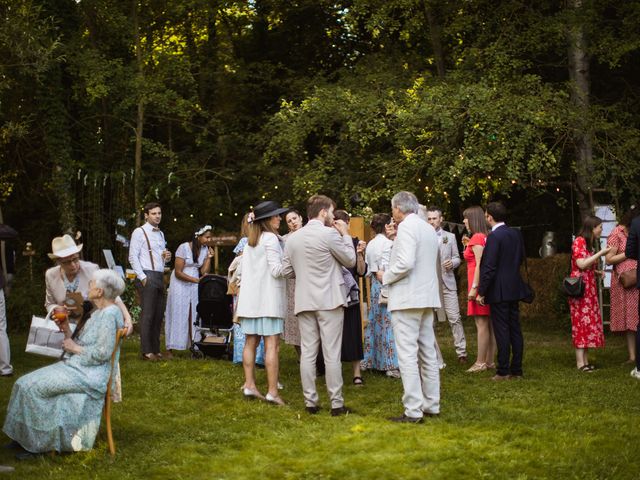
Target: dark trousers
pixel 152 300
pixel 505 317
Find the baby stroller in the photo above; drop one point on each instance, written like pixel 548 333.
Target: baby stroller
pixel 214 319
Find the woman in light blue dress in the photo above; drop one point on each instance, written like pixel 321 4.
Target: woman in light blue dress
pixel 58 407
pixel 238 334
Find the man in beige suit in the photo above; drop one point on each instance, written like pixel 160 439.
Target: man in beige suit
pixel 314 255
pixel 413 282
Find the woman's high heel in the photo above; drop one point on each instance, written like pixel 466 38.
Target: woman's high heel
pixel 477 367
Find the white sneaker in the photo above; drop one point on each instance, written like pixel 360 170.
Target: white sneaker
pixel 635 373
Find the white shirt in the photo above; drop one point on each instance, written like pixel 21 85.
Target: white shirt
pixel 378 253
pixel 139 257
pixel 499 224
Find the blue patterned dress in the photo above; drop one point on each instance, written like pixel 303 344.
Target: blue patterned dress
pixel 58 407
pixel 379 344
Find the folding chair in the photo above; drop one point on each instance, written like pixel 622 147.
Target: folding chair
pixel 120 335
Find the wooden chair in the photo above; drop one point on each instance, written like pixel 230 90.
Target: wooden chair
pixel 120 335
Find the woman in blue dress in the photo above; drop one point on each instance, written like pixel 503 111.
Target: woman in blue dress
pixel 58 407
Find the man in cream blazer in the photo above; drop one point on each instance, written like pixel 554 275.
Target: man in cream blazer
pixel 412 277
pixel 314 255
pixel 449 261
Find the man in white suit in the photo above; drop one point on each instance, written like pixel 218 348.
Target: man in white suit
pixel 314 255
pixel 449 261
pixel 412 277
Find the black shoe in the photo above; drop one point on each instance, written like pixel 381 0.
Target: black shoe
pixel 336 412
pixel 312 410
pixel 7 375
pixel 405 419
pixel 13 445
pixel 27 455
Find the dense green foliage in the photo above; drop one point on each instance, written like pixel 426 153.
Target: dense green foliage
pixel 234 101
pixel 187 419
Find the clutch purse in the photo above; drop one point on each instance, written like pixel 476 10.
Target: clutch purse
pixel 629 279
pixel 573 286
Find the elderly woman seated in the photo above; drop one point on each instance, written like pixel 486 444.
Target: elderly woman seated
pixel 58 407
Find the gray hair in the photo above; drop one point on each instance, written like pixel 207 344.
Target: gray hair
pixel 110 282
pixel 422 212
pixel 406 202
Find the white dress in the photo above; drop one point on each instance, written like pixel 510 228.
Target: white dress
pixel 182 295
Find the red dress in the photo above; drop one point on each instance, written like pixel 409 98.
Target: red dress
pixel 586 322
pixel 624 301
pixel 476 239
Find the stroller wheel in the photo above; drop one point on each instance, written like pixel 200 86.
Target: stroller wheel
pixel 197 355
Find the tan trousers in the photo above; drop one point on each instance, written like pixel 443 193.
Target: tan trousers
pixel 325 325
pixel 452 311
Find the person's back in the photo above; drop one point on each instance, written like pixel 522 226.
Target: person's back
pixel 505 254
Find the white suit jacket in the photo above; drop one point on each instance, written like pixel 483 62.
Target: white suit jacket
pixel 262 285
pixel 55 291
pixel 449 251
pixel 314 255
pixel 412 275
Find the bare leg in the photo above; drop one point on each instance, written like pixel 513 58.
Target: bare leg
pixel 356 367
pixel 581 357
pixel 484 338
pixel 271 346
pixel 249 360
pixel 631 345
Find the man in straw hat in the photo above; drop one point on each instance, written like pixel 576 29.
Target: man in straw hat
pixel 67 283
pixel 147 256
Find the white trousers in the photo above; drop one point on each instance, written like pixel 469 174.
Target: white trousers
pixel 5 352
pixel 416 346
pixel 325 325
pixel 452 312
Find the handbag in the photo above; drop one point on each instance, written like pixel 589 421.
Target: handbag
pixel 629 278
pixel 45 338
pixel 573 286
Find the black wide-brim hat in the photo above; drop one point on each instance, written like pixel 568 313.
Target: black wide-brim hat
pixel 268 209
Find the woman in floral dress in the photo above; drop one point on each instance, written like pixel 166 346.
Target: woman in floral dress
pixel 586 322
pixel 624 301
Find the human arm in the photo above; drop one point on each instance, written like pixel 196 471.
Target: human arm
pixel 135 250
pixel 613 256
pixel 128 323
pixel 361 265
pixel 287 267
pixel 455 254
pixel 274 255
pixel 404 246
pixel 341 245
pixel 98 338
pixel 206 265
pixel 49 300
pixel 477 250
pixel 586 262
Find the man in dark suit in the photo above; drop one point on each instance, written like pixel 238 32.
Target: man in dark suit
pixel 633 251
pixel 502 287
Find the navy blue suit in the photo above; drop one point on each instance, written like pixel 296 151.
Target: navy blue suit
pixel 633 251
pixel 502 287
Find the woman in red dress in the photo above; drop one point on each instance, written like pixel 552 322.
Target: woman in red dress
pixel 586 322
pixel 624 301
pixel 474 220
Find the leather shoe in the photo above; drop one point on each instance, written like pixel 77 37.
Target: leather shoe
pixel 500 378
pixel 336 412
pixel 312 410
pixel 7 374
pixel 152 357
pixel 405 419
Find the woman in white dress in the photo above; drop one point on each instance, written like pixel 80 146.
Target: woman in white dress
pixel 193 260
pixel 262 300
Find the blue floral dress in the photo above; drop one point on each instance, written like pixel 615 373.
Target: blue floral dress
pixel 58 407
pixel 379 344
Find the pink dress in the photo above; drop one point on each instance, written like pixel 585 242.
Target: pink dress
pixel 476 239
pixel 624 301
pixel 586 322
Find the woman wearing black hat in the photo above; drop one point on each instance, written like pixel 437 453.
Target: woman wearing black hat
pixel 262 302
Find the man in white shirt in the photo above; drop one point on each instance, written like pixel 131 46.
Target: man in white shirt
pixel 412 277
pixel 449 260
pixel 147 256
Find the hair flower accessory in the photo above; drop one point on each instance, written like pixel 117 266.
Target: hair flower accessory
pixel 251 217
pixel 203 230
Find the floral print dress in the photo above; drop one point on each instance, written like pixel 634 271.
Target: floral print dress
pixel 586 322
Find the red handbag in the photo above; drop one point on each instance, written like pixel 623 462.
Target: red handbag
pixel 629 278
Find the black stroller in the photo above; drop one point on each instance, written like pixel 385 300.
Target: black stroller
pixel 214 319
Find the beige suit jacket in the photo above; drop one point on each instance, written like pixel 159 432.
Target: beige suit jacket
pixel 56 293
pixel 314 255
pixel 413 270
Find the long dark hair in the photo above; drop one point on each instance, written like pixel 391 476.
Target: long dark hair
pixel 586 231
pixel 195 244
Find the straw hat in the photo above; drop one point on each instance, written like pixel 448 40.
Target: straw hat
pixel 63 246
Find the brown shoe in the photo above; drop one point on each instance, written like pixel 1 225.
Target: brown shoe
pixel 168 355
pixel 500 378
pixel 152 357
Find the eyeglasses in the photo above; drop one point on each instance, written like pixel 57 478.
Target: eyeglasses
pixel 70 261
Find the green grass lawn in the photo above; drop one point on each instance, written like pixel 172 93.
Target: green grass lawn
pixel 186 419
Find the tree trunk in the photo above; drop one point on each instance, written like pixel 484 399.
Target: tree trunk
pixel 435 33
pixel 579 76
pixel 137 184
